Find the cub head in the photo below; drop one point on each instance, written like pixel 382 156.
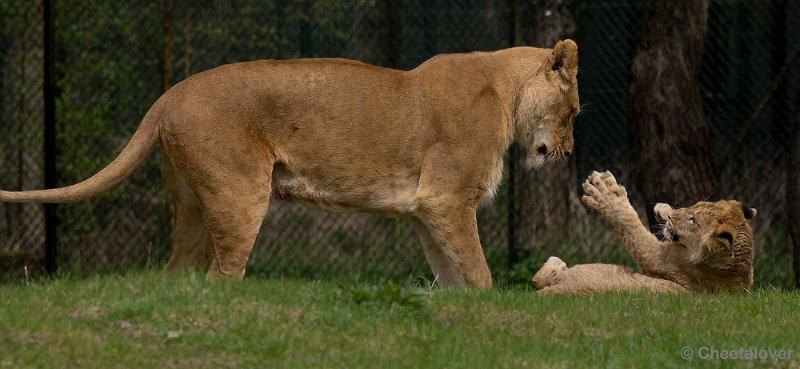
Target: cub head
pixel 548 105
pixel 715 234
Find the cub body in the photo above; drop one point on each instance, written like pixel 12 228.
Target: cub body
pixel 708 248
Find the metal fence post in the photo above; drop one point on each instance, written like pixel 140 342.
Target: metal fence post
pixel 515 39
pixel 50 216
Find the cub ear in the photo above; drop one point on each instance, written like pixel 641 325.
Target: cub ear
pixel 726 237
pixel 749 213
pixel 564 57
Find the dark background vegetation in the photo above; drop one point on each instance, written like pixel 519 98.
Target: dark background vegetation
pixel 685 101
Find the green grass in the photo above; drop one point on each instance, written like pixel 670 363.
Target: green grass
pixel 150 319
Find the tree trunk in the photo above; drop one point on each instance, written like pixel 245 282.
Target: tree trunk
pixel 672 136
pixel 555 20
pixel 793 196
pixel 548 198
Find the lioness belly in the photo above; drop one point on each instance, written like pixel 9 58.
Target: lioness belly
pixel 392 195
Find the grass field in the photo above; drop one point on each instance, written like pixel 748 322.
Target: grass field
pixel 149 320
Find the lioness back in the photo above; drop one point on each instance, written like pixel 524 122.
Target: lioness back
pixel 333 125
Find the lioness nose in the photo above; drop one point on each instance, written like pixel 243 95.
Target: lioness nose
pixel 542 149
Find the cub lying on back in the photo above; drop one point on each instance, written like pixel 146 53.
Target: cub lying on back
pixel 710 248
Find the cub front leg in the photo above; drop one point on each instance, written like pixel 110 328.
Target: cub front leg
pixel 603 194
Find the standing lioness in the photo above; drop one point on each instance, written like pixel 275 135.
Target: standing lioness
pixel 425 144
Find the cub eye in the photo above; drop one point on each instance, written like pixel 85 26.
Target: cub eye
pixel 691 219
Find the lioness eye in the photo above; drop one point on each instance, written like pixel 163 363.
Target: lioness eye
pixel 691 218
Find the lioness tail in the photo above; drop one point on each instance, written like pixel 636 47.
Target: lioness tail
pixel 120 168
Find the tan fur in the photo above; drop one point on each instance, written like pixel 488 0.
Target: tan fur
pixel 698 256
pixel 425 144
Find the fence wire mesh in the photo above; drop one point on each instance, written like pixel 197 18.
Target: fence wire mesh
pixel 113 59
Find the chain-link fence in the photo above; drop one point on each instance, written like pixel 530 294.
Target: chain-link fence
pixel 113 59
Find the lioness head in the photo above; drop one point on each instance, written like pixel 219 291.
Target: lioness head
pixel 548 106
pixel 715 234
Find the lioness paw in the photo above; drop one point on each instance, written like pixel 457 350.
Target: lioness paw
pixel 602 191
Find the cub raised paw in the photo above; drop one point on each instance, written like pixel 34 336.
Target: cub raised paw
pixel 602 193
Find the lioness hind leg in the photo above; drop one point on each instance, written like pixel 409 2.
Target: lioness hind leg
pixel 233 217
pixel 227 163
pixel 233 194
pixel 190 241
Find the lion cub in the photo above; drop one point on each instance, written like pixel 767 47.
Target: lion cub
pixel 709 248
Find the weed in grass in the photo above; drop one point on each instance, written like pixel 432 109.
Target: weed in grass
pixel 390 293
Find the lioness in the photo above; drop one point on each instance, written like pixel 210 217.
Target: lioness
pixel 709 248
pixel 425 144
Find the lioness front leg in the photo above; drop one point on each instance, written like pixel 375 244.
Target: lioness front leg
pixel 444 272
pixel 603 194
pixel 454 230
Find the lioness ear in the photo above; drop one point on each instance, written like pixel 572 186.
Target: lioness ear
pixel 564 57
pixel 749 213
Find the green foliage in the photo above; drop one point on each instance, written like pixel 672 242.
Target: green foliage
pixel 212 32
pixel 773 260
